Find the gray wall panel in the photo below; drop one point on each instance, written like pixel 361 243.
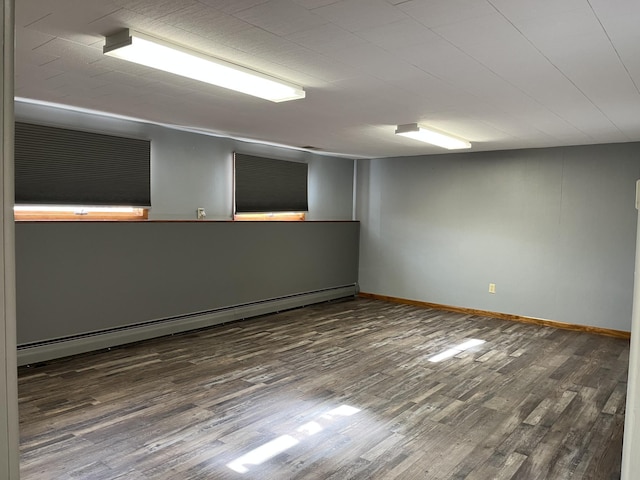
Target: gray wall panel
pixel 74 278
pixel 191 170
pixel 554 229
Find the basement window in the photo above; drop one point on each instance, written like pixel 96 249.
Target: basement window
pixel 78 213
pixel 63 174
pixel 269 190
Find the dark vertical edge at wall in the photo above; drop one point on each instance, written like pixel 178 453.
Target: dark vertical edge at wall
pixel 631 444
pixel 9 435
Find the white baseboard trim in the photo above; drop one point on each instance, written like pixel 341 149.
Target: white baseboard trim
pixel 63 347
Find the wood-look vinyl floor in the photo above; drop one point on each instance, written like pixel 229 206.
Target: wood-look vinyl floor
pixel 341 390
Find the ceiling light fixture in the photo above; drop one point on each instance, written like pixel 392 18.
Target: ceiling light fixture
pixel 152 52
pixel 432 136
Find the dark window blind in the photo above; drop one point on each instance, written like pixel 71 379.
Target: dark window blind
pixel 58 166
pixel 269 185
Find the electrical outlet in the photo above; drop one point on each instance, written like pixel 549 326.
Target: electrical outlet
pixel 492 288
pixel 201 213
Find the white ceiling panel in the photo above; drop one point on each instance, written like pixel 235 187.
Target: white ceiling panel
pixel 206 22
pixel 232 6
pixel 259 42
pixel 314 70
pixel 588 59
pixel 69 51
pixel 282 17
pixel 27 40
pixel 487 37
pixel 126 79
pixel 36 58
pixel 503 73
pixel 356 15
pixel 326 38
pixel 424 89
pixel 398 35
pixel 30 77
pixel 311 4
pixel 369 59
pixel 437 13
pixel 521 10
pixel 155 8
pixel 514 58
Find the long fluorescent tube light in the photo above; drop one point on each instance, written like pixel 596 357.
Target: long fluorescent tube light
pixel 432 136
pixel 152 52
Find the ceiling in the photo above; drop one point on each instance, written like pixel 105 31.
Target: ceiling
pixel 504 74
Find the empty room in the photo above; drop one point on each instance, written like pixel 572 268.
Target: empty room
pixel 320 239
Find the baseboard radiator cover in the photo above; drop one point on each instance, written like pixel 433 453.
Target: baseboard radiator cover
pixel 45 350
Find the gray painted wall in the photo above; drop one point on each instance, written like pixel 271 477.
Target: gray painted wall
pixel 191 170
pixel 79 277
pixel 82 277
pixel 554 229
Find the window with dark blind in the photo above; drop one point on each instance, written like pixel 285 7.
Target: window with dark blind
pixel 58 166
pixel 269 185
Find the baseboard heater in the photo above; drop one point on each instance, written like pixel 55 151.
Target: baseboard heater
pixel 41 351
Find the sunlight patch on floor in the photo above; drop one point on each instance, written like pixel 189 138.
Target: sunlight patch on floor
pixel 278 445
pixel 453 351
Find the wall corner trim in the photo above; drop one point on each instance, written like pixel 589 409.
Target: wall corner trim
pixel 503 316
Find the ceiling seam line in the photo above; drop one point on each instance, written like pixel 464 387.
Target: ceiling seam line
pixel 556 68
pixel 535 100
pixel 448 82
pixel 604 30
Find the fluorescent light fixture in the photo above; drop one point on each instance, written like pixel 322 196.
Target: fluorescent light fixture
pixel 155 53
pixel 432 136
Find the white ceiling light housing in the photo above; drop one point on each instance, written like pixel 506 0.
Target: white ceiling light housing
pixel 152 52
pixel 432 136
